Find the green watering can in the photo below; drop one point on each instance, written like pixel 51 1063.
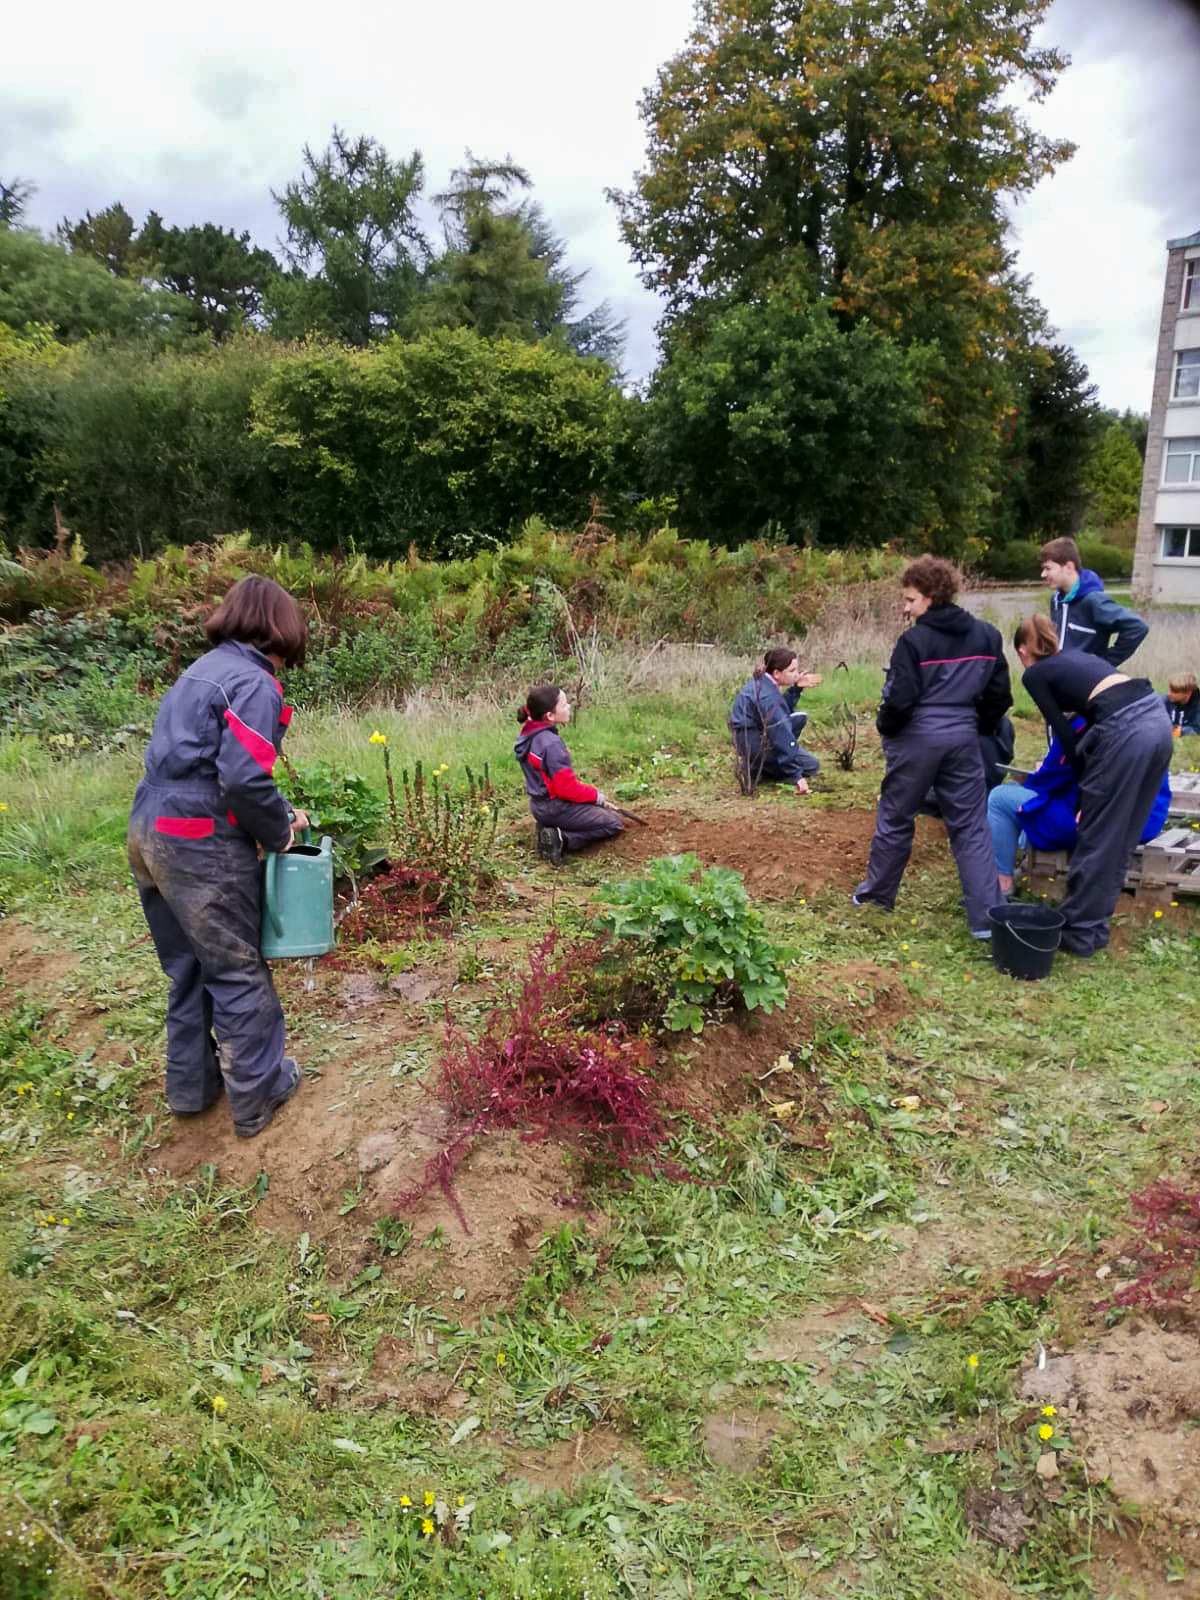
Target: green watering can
pixel 297 904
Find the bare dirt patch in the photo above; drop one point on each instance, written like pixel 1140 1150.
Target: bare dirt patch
pixel 781 854
pixel 1132 1396
pixel 30 962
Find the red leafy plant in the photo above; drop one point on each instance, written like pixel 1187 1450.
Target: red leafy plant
pixel 396 903
pixel 535 1067
pixel 1164 1259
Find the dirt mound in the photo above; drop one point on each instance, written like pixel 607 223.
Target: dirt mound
pixel 1132 1399
pixel 780 853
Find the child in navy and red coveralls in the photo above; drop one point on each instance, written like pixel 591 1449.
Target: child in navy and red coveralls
pixel 207 802
pixel 569 814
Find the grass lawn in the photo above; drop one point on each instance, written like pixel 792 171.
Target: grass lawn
pixel 803 1361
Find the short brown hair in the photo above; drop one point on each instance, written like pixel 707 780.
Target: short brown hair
pixel 1064 551
pixel 257 611
pixel 1182 683
pixel 939 581
pixel 1036 634
pixel 778 658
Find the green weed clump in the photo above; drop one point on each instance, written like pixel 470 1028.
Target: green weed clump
pixel 693 937
pixel 340 804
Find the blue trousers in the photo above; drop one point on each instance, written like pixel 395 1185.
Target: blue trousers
pixel 1004 823
pixel 579 823
pixel 201 898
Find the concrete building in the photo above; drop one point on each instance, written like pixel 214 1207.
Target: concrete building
pixel 1166 564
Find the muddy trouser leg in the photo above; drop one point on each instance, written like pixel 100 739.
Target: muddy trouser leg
pixel 1124 759
pixel 193 1075
pixel 580 824
pixel 211 887
pixel 911 766
pixel 961 796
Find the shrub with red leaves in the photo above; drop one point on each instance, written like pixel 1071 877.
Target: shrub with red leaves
pixel 534 1068
pixel 1167 1255
pixel 396 903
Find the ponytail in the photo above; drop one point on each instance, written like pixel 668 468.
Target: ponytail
pixel 541 698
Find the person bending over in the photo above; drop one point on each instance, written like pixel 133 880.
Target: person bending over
pixel 569 814
pixel 1084 617
pixel 1043 809
pixel 764 723
pixel 947 685
pixel 206 804
pixel 1182 702
pixel 1120 761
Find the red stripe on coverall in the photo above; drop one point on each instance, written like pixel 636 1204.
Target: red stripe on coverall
pixel 259 749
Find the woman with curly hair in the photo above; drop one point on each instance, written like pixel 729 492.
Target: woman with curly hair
pixel 946 685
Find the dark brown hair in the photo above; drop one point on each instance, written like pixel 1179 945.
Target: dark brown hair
pixel 939 581
pixel 257 611
pixel 541 698
pixel 778 658
pixel 1036 634
pixel 1064 551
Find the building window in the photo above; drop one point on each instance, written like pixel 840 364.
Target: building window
pixel 1181 544
pixel 1187 375
pixel 1191 286
pixel 1182 462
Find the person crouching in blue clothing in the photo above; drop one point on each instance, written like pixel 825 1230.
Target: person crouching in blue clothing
pixel 1182 704
pixel 1043 810
pixel 764 723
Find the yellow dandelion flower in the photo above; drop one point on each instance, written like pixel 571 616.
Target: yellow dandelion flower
pixel 1046 1431
pixel 501 1358
pixel 429 1497
pixel 915 965
pixel 3 805
pixel 220 1405
pixel 405 1501
pixel 378 738
pixel 1049 1411
pixel 1158 914
pixel 462 1500
pixel 972 1361
pixel 426 1525
pixel 904 947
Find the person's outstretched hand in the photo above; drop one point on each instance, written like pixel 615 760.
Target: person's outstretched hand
pixel 802 786
pixel 808 680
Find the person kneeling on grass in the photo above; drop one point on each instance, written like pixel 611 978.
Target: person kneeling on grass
pixel 1120 761
pixel 1043 810
pixel 764 723
pixel 569 814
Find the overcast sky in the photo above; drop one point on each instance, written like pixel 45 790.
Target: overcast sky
pixel 147 105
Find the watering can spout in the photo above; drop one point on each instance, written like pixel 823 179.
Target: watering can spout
pixel 297 900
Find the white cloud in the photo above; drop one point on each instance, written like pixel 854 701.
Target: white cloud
pixel 139 103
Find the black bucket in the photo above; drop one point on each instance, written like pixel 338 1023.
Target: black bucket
pixel 1024 939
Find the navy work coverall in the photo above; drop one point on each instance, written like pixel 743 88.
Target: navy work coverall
pixel 763 724
pixel 947 684
pixel 557 799
pixel 206 803
pixel 1120 760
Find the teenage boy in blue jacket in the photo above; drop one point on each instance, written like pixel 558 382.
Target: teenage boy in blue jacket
pixel 1083 615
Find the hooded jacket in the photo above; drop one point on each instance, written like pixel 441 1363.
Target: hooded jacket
pixel 1088 619
pixel 545 765
pixel 211 756
pixel 948 672
pixel 1048 820
pixel 762 713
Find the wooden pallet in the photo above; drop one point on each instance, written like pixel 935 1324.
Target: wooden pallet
pixel 1166 867
pixel 1185 794
pixel 1160 871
